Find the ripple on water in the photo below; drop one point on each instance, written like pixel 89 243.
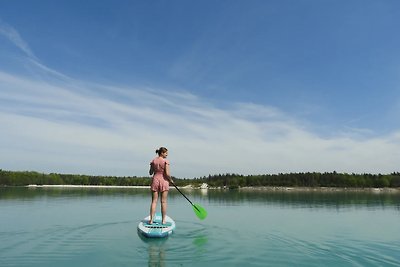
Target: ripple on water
pixel 55 244
pixel 194 244
pixel 329 251
pixel 363 253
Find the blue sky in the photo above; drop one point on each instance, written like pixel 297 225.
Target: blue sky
pixel 248 87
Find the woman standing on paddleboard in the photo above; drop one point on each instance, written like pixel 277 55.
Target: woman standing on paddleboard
pixel 159 168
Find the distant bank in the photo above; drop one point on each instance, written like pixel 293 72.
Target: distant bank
pixel 248 188
pixel 228 181
pixel 83 186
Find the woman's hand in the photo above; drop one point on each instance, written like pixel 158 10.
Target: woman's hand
pixel 151 171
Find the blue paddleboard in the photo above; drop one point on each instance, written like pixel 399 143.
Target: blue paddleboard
pixel 156 229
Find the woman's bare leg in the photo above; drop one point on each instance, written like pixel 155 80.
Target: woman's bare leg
pixel 153 206
pixel 164 196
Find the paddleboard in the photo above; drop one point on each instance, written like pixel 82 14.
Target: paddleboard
pixel 156 229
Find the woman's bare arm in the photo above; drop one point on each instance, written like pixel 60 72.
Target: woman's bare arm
pixel 151 171
pixel 167 172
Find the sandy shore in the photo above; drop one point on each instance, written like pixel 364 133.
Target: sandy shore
pixel 320 189
pixel 250 188
pixel 101 186
pixel 85 186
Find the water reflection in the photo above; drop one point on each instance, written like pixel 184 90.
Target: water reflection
pixel 191 245
pixel 22 193
pixel 293 198
pixel 204 192
pixel 200 241
pixel 307 199
pixel 156 248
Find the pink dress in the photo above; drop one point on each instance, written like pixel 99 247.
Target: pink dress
pixel 160 181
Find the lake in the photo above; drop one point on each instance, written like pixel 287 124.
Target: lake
pixel 97 227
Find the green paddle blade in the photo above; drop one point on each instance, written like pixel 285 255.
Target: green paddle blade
pixel 200 212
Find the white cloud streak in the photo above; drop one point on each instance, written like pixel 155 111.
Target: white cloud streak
pixel 11 34
pixel 57 124
pixel 54 128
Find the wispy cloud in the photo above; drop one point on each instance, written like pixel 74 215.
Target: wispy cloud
pixel 13 36
pixel 58 124
pixel 53 128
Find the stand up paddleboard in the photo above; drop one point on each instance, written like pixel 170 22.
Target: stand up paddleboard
pixel 156 229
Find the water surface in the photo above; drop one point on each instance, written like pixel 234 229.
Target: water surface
pixel 97 227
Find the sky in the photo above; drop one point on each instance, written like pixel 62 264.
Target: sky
pixel 246 87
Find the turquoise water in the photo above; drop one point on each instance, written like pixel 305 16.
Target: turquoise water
pixel 97 227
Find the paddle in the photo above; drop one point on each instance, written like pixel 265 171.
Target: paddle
pixel 200 212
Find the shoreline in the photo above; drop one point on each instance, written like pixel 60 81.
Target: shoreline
pixel 85 186
pixel 247 188
pixel 320 189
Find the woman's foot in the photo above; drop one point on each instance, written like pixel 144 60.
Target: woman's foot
pixel 163 222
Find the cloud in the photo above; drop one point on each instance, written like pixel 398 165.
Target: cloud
pixel 80 129
pixel 57 124
pixel 14 37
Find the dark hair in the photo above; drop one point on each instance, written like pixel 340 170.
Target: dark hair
pixel 161 150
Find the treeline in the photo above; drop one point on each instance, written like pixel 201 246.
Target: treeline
pixel 308 179
pixel 12 178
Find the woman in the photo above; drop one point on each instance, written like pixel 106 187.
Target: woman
pixel 159 166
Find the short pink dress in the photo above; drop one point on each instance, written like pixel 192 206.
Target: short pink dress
pixel 160 181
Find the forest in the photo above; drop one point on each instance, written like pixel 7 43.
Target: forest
pixel 230 181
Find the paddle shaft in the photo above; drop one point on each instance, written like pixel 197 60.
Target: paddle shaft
pixel 185 197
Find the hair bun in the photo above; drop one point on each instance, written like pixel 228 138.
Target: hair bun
pixel 161 150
